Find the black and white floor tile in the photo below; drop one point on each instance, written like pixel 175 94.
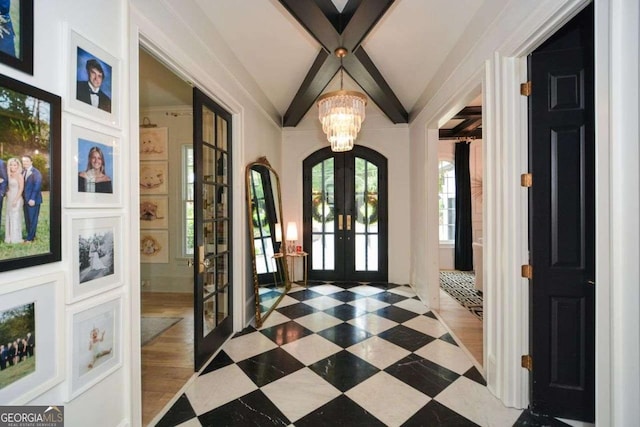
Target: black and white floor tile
pixel 342 354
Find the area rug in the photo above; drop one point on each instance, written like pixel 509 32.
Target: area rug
pixel 151 327
pixel 460 285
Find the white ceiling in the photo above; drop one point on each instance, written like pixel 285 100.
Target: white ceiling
pixel 407 45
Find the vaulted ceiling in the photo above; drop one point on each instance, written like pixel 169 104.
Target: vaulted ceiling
pixel 395 47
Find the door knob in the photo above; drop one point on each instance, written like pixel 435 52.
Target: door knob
pixel 591 282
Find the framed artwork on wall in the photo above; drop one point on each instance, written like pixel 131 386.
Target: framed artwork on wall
pixel 153 177
pixel 96 255
pixel 94 329
pixel 29 175
pixel 154 143
pixel 154 212
pixel 154 246
pixel 92 164
pixel 31 322
pixel 93 77
pixel 16 28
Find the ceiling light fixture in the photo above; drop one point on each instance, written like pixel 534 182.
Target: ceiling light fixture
pixel 341 113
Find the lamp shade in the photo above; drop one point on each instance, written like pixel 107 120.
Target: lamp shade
pixel 292 231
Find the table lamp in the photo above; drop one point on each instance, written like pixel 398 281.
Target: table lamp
pixel 292 236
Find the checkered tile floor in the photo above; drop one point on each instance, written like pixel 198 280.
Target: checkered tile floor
pixel 342 354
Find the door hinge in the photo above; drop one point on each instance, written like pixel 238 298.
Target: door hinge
pixel 526 180
pixel 527 362
pixel 525 88
pixel 527 271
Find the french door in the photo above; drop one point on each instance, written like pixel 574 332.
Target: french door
pixel 345 215
pixel 213 293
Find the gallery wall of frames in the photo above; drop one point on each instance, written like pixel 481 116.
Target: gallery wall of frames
pixel 62 210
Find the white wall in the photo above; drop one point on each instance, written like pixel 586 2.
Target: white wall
pixel 377 133
pixel 51 53
pixel 176 275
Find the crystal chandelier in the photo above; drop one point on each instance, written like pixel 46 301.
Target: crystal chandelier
pixel 341 113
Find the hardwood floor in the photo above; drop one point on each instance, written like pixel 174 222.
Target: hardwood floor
pixel 167 361
pixel 466 327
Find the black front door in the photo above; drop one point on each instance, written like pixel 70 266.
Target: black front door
pixel 345 215
pixel 562 222
pixel 213 292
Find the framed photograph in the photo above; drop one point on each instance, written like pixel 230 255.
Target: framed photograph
pixel 92 164
pixel 154 246
pixel 31 337
pixel 96 255
pixel 29 175
pixel 16 28
pixel 94 334
pixel 154 177
pixel 154 143
pixel 93 81
pixel 154 212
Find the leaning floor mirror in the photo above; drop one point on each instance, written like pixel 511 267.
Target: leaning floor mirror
pixel 264 207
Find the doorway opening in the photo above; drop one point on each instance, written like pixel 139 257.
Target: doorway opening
pixel 167 303
pixel 460 228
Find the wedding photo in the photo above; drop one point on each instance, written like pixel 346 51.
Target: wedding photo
pixel 29 188
pixel 95 255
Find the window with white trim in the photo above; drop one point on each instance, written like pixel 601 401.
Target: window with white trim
pixel 446 201
pixel 188 202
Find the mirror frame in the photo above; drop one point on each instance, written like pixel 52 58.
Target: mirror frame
pixel 263 162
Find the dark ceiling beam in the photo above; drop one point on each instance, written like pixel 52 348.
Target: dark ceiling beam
pixel 365 17
pixel 353 24
pixel 469 113
pixel 313 19
pixel 332 13
pixel 320 74
pixel 448 134
pixel 468 125
pixel 361 69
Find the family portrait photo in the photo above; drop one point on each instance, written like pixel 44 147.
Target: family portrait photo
pixel 29 183
pixel 17 343
pixel 16 34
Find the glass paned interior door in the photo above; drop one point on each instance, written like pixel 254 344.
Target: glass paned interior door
pixel 212 225
pixel 323 209
pixel 366 215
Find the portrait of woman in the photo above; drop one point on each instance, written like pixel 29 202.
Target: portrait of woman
pixel 94 178
pixel 14 202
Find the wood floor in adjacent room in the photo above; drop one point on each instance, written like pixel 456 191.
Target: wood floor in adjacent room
pixel 167 361
pixel 465 326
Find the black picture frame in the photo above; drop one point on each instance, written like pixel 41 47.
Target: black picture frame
pixel 30 125
pixel 22 58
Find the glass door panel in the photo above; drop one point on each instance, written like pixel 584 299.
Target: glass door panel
pixel 212 217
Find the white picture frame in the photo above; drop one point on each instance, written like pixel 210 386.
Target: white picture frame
pixel 78 100
pixel 154 212
pixel 46 295
pixel 80 142
pixel 154 177
pixel 154 143
pixel 154 246
pixel 96 254
pixel 94 331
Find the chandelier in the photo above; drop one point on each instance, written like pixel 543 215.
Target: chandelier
pixel 341 113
